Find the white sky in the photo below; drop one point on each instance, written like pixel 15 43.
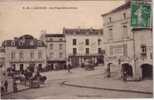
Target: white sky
pixel 15 21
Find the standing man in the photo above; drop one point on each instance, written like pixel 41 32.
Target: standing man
pixel 108 70
pixel 6 86
pixel 15 89
pixel 68 66
pixel 125 76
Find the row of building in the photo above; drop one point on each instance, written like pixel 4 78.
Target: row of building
pixel 116 43
pixel 52 51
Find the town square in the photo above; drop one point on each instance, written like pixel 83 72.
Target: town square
pixel 114 60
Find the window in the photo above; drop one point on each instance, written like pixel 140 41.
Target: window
pixel 125 32
pixel 87 41
pixel 51 54
pixel 60 54
pixel 151 55
pixel 60 39
pixel 124 15
pixel 12 55
pixel 109 19
pixel 51 46
pixel 60 46
pixel 21 55
pixel 110 34
pixel 32 54
pixel 99 41
pixel 99 51
pixel 39 54
pixel 87 50
pixel 143 50
pixel 74 51
pixel 21 67
pixel 74 41
pixel 125 52
pixel 50 39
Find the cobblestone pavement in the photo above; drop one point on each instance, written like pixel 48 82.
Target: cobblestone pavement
pixel 53 89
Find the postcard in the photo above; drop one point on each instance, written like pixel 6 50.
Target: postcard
pixel 76 49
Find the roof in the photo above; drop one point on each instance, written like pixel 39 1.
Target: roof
pixel 23 42
pixel 7 43
pixel 79 31
pixel 54 35
pixel 122 7
pixel 27 36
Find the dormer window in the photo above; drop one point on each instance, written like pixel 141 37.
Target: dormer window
pixel 31 43
pixel 13 43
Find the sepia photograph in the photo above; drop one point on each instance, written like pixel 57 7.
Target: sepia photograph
pixel 76 49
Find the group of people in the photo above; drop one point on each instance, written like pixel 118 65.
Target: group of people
pixel 29 75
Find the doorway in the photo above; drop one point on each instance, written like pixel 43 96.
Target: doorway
pixel 147 71
pixel 128 69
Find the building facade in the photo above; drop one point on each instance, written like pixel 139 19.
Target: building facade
pixel 2 64
pixel 25 51
pixel 122 44
pixel 56 50
pixel 143 53
pixel 2 57
pixel 83 44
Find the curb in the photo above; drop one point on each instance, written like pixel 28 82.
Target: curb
pixel 109 89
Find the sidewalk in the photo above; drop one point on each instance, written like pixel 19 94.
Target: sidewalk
pixel 20 88
pixel 112 84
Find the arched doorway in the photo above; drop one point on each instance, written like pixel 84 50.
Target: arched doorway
pixel 147 71
pixel 128 69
